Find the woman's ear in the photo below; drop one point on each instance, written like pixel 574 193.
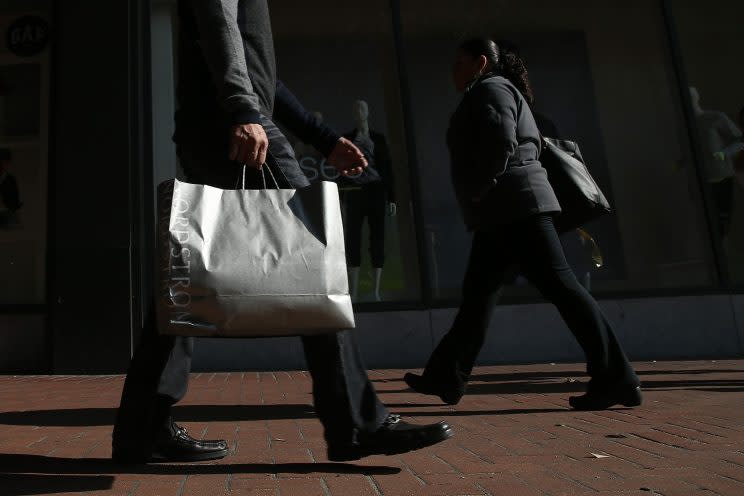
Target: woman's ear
pixel 482 64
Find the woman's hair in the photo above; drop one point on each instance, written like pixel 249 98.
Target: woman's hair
pixel 505 60
pixel 741 117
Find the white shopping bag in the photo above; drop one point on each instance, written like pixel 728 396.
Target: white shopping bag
pixel 238 263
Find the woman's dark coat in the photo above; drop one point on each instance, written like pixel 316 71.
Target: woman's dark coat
pixel 494 148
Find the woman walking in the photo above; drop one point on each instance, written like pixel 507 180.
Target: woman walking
pixel 508 203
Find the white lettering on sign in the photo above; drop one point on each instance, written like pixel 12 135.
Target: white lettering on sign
pixel 315 169
pixel 27 36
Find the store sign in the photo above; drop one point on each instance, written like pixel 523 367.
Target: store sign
pixel 315 169
pixel 28 36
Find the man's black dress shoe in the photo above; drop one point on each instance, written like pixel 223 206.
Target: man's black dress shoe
pixel 174 446
pixel 603 398
pixel 393 437
pixel 422 385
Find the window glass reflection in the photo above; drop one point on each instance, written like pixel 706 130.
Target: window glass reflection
pixel 613 93
pixel 339 59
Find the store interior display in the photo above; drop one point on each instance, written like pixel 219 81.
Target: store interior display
pixel 721 141
pixel 368 197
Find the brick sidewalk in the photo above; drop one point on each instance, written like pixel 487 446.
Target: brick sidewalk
pixel 514 436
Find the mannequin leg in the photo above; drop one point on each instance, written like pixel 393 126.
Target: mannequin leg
pixel 353 234
pixel 378 276
pixel 723 195
pixel 377 205
pixel 587 283
pixel 353 282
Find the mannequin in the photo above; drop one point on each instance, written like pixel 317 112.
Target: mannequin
pixel 720 139
pixel 369 195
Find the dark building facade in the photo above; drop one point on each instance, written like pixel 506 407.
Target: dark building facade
pixel 651 90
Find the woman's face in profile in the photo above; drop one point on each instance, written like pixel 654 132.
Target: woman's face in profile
pixel 464 70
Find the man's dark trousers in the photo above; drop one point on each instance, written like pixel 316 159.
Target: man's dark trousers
pixel 345 400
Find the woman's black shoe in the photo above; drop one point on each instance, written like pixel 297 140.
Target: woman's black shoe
pixel 423 386
pixel 174 446
pixel 392 438
pixel 604 398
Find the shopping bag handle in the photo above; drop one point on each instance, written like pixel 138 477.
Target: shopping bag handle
pixel 267 166
pixel 263 176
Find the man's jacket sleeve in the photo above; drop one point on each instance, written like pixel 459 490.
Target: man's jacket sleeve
pixel 289 112
pixel 222 44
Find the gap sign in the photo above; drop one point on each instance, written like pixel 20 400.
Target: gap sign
pixel 27 36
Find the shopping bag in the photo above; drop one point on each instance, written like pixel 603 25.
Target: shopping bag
pixel 249 263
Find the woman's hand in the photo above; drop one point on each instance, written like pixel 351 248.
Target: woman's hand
pixel 248 145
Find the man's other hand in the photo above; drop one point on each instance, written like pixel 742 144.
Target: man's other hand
pixel 347 158
pixel 248 145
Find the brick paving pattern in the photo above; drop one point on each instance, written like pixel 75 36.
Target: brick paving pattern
pixel 514 436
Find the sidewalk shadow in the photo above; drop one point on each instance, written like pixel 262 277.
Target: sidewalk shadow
pixel 79 417
pixel 558 382
pixel 26 475
pixel 504 376
pixel 14 464
pixel 518 383
pixel 711 386
pixel 85 417
pixel 546 382
pixel 15 484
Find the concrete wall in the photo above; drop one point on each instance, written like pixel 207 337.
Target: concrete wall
pixel 22 343
pixel 692 327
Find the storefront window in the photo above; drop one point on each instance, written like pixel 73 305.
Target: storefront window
pixel 612 89
pixel 711 40
pixel 24 90
pixel 602 76
pixel 339 59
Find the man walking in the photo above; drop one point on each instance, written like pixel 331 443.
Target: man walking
pixel 228 97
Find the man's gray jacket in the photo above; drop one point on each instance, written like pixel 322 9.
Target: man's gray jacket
pixel 226 57
pixel 227 75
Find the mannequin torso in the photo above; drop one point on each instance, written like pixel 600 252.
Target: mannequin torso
pixel 720 138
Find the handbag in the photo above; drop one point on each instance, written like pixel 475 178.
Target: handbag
pixel 580 198
pixel 251 263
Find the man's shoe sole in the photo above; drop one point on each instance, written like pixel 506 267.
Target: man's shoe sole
pixel 126 459
pixel 358 453
pixel 200 457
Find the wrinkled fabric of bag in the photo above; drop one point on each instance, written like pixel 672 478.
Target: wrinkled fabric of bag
pixel 251 263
